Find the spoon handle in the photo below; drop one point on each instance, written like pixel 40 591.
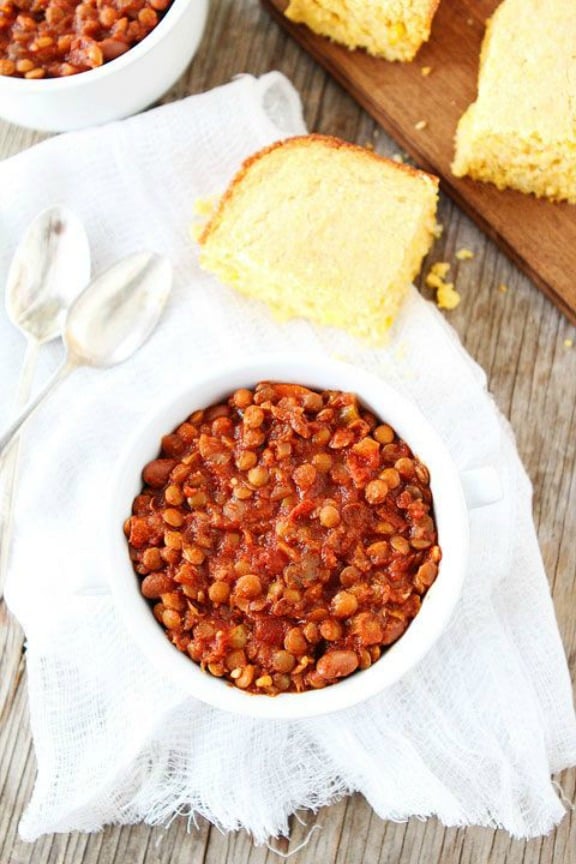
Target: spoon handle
pixel 11 464
pixel 8 436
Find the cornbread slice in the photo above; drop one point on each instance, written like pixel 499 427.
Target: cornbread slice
pixel 323 229
pixel 521 131
pixel 393 29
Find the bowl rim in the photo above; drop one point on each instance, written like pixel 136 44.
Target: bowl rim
pixel 167 23
pixel 438 604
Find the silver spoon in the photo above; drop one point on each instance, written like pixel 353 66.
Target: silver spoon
pixel 50 267
pixel 108 322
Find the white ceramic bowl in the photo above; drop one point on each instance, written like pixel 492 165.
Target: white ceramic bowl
pixel 450 513
pixel 121 87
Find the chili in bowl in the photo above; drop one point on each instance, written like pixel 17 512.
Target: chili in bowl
pixel 67 64
pixel 289 537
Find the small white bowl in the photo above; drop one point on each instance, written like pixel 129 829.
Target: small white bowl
pixel 117 89
pixel 450 513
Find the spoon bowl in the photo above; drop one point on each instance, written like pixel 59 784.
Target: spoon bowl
pixel 50 267
pixel 108 322
pixel 111 320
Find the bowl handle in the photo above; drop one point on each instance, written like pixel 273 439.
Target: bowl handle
pixel 482 486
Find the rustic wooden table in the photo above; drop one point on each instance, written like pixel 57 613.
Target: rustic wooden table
pixel 520 340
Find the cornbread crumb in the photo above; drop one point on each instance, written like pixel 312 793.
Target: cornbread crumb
pixel 398 157
pixel 464 254
pixel 393 29
pixel 205 206
pixel 426 70
pixel 568 343
pixel 322 229
pixel 203 210
pixel 439 269
pixel 447 296
pixel 438 230
pixel 503 288
pixel 421 124
pixel 433 281
pixel 521 130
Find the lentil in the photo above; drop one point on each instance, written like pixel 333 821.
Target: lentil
pixel 329 516
pixel 258 537
pixel 330 630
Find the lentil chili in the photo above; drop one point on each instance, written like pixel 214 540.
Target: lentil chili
pixel 284 538
pixel 57 38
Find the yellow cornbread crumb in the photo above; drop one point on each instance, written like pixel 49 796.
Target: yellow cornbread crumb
pixel 433 281
pixel 322 229
pixel 446 295
pixel 438 271
pixel 464 254
pixel 503 288
pixel 393 29
pixel 521 130
pixel 203 210
pixel 421 124
pixel 425 71
pixel 205 206
pixel 568 343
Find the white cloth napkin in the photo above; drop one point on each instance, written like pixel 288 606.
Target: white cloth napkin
pixel 472 734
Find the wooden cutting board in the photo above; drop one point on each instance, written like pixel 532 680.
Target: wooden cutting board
pixel 538 235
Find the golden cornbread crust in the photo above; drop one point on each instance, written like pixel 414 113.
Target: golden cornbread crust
pixel 520 133
pixel 392 29
pixel 299 141
pixel 323 229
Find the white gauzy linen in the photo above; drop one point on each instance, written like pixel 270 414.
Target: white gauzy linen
pixel 472 734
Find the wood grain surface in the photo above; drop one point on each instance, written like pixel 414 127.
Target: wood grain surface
pixel 538 235
pixel 518 337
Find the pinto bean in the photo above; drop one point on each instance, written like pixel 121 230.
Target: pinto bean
pixel 157 472
pixel 156 584
pixel 337 664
